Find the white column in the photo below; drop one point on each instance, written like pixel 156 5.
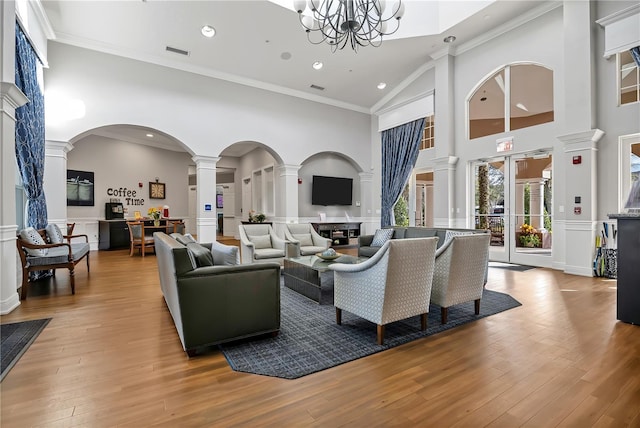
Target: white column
pixel 580 181
pixel 10 99
pixel 536 203
pixel 411 206
pixel 429 204
pixel 287 197
pixel 580 138
pixel 444 210
pixel 444 106
pixel 578 74
pixel 55 177
pixel 519 208
pixel 444 191
pixel 366 204
pixel 206 218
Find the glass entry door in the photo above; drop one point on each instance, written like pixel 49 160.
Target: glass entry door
pixel 491 211
pixel 513 199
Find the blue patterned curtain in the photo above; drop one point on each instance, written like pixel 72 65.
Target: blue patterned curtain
pixel 400 147
pixel 635 53
pixel 30 131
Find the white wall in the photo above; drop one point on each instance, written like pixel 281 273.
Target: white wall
pixel 531 43
pixel 331 165
pixel 205 114
pixel 614 120
pixel 117 164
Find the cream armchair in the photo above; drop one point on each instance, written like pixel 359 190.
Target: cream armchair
pixel 460 272
pixel 259 243
pixel 306 240
pixel 392 285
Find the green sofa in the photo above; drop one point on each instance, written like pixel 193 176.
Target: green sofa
pixel 366 250
pixel 219 303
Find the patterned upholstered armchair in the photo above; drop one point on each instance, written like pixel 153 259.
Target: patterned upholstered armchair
pixel 392 285
pixel 460 271
pixel 259 243
pixel 306 239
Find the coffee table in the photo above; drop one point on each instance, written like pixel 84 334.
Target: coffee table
pixel 310 275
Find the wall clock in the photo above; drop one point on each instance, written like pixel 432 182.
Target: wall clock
pixel 156 190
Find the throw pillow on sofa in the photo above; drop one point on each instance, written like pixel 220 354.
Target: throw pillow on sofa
pixel 381 236
pixel 184 239
pixel 31 236
pixel 225 255
pixel 54 234
pixel 449 234
pixel 200 256
pixel 305 239
pixel 260 241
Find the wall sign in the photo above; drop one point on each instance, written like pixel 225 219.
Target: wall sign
pixel 504 144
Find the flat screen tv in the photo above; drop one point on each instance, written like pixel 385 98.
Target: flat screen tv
pixel 331 190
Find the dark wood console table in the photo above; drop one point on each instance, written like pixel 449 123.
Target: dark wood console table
pixel 341 234
pixel 628 264
pixel 114 234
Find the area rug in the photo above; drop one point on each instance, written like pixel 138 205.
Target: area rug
pixel 510 266
pixel 16 339
pixel 310 340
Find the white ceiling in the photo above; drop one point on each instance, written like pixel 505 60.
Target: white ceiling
pixel 252 37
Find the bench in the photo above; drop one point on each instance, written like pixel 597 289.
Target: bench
pixel 54 256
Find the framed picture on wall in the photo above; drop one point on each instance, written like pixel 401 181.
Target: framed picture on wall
pixel 156 190
pixel 80 188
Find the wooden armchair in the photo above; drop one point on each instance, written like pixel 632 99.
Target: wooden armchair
pixel 43 254
pixel 138 239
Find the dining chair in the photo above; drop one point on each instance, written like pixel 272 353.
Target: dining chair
pixel 138 238
pixel 178 226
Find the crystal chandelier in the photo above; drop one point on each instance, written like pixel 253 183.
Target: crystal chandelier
pixel 342 22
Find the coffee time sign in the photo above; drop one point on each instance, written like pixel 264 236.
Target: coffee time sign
pixel 129 196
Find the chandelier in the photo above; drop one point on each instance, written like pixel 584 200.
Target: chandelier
pixel 342 22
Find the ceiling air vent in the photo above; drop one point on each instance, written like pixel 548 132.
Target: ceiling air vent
pixel 320 88
pixel 178 51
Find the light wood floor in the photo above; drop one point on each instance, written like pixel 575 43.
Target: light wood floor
pixel 111 357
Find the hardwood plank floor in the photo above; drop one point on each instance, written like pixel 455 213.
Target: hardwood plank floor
pixel 111 357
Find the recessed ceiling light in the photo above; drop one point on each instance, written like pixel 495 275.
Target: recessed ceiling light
pixel 208 31
pixel 317 65
pixel 450 39
pixel 150 135
pixel 285 55
pixel 382 85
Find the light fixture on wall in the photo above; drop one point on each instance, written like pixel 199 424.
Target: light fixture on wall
pixel 356 22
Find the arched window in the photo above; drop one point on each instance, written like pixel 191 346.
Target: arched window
pixel 514 97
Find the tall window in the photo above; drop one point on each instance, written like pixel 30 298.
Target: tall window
pixel 514 97
pixel 428 135
pixel 628 79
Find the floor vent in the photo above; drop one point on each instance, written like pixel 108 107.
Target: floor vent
pixel 320 88
pixel 178 51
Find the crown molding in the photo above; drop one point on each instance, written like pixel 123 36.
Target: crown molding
pixel 11 96
pixel 505 28
pixel 619 15
pixel 405 102
pixel 375 109
pixel 43 19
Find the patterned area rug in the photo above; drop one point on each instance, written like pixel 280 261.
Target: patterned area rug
pixel 310 340
pixel 16 339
